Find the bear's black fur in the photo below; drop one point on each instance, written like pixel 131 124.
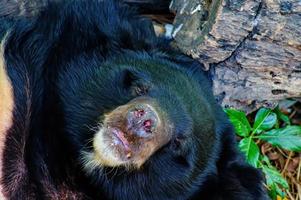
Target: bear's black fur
pixel 77 60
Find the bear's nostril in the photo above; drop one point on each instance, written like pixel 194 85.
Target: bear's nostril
pixel 147 124
pixel 141 121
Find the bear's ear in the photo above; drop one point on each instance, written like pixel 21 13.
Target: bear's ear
pixel 129 77
pixel 135 82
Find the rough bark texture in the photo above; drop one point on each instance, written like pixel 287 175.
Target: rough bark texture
pixel 252 47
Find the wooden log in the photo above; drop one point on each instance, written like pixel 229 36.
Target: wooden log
pixel 251 47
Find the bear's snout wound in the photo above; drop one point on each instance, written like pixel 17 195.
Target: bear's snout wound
pixel 142 121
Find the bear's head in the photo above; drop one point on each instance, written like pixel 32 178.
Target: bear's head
pixel 140 115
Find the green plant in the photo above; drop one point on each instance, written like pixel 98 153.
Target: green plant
pixel 266 127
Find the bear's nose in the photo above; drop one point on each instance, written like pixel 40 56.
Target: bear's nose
pixel 142 120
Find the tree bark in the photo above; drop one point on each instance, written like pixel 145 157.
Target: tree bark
pixel 251 47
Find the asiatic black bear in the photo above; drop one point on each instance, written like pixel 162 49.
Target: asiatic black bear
pixel 95 106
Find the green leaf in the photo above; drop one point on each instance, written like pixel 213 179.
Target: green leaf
pixel 269 121
pixel 273 176
pixel 240 122
pixel 273 191
pixel 265 119
pixel 282 116
pixel 251 150
pixel 287 138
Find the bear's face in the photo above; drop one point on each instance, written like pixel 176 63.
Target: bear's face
pixel 125 111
